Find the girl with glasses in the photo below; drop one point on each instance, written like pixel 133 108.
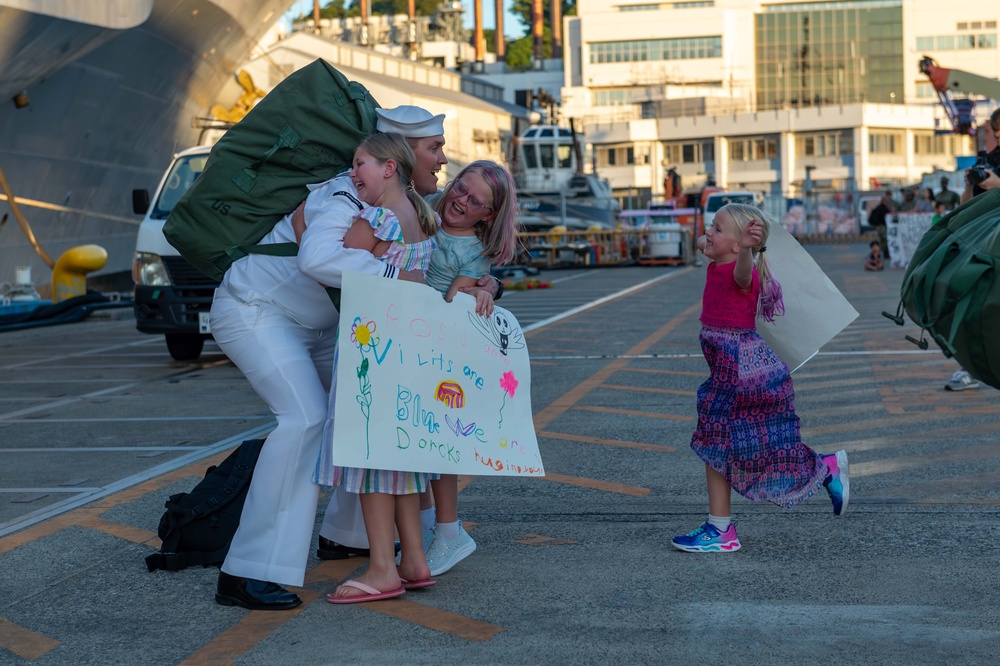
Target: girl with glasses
pixel 478 228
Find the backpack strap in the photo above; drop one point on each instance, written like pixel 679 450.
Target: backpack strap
pixel 178 561
pixel 292 249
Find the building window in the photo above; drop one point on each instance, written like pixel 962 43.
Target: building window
pixel 820 145
pixel 937 145
pixel 685 48
pixel 754 148
pixel 885 143
pixel 612 97
pixel 959 42
pixel 925 91
pixel 813 54
pixel 696 152
pixel 624 155
pixel 688 4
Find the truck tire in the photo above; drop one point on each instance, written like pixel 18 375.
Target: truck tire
pixel 184 346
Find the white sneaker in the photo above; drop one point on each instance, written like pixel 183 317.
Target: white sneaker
pixel 446 553
pixel 427 534
pixel 960 381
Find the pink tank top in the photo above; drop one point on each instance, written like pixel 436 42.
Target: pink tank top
pixel 723 303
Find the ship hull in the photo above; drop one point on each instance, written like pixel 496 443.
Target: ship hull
pixel 108 122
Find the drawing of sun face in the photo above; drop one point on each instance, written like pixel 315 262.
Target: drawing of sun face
pixel 499 329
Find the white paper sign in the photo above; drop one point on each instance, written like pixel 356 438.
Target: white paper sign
pixel 815 310
pixel 429 386
pixel 903 232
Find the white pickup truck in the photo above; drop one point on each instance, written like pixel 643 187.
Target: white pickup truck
pixel 172 298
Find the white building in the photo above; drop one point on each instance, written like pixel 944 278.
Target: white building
pixel 755 93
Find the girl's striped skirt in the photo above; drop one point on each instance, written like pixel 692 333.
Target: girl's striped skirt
pixel 357 480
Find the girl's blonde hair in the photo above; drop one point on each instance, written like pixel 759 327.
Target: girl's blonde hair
pixel 499 233
pixel 384 146
pixel 770 304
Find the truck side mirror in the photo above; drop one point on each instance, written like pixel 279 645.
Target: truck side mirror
pixel 140 201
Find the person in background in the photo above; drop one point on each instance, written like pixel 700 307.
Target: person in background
pixel 873 260
pixel 909 204
pixel 877 220
pixel 939 211
pixel 992 180
pixel 925 204
pixel 961 380
pixel 947 197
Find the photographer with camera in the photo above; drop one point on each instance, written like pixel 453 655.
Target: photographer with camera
pixel 979 178
pixel 982 176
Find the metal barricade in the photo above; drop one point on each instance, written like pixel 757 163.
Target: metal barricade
pixel 600 248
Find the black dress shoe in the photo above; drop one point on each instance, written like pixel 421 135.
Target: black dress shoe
pixel 253 594
pixel 331 550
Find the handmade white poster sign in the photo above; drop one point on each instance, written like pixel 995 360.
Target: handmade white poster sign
pixel 429 386
pixel 815 310
pixel 903 232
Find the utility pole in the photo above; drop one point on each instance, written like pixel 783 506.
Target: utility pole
pixel 807 203
pixel 411 29
pixel 556 28
pixel 536 33
pixel 501 43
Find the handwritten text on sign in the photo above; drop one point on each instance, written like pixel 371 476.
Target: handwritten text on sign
pixel 429 386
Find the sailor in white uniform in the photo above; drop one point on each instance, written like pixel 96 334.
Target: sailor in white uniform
pixel 275 321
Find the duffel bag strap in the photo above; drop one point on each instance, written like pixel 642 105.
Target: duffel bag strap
pixel 246 178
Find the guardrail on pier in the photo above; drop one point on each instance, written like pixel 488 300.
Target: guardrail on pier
pixel 651 247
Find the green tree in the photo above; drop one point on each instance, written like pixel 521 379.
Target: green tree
pixel 521 51
pixel 522 9
pixel 338 9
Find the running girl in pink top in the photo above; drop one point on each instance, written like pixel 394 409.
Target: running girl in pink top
pixel 748 433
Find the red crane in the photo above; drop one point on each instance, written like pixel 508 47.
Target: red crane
pixel 960 112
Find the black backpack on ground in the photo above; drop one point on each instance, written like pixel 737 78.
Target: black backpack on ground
pixel 198 526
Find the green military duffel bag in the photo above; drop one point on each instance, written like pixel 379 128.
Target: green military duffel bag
pixel 951 287
pixel 304 131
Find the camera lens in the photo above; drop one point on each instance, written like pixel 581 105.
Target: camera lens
pixel 975 175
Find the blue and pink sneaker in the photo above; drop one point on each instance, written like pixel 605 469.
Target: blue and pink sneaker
pixel 838 482
pixel 708 539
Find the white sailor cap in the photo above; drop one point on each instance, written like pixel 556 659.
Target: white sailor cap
pixel 410 121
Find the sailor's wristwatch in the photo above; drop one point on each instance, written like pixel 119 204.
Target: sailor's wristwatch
pixel 499 287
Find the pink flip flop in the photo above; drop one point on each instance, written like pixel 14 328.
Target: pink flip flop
pixel 371 594
pixel 418 584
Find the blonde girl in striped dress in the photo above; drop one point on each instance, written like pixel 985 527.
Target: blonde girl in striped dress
pixel 398 227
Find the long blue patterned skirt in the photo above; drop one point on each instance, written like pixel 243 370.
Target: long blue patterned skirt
pixel 747 427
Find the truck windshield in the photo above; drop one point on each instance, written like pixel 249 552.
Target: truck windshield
pixel 717 201
pixel 183 172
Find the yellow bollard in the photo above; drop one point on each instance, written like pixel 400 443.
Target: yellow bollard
pixel 69 276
